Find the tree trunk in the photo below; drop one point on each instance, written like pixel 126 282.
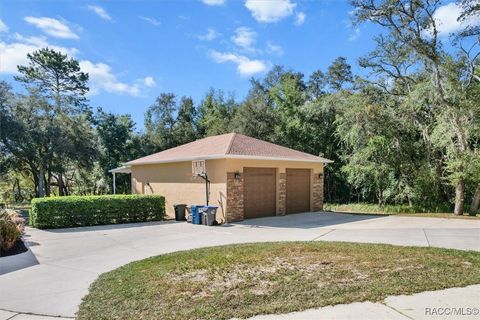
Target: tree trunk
pixel 438 178
pixel 475 202
pixel 48 181
pixel 17 191
pixel 459 197
pixel 61 187
pixel 41 183
pixel 380 197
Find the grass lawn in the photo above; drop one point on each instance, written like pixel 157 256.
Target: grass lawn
pixel 250 279
pixel 401 210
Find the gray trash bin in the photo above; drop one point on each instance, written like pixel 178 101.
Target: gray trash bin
pixel 180 211
pixel 208 215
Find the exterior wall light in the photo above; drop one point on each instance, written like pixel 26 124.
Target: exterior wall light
pixel 237 175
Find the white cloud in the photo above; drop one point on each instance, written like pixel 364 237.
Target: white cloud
pixel 52 27
pixel 149 81
pixel 102 77
pixel 446 19
pixel 3 26
pixel 214 2
pixel 245 66
pixel 354 34
pixel 270 11
pixel 244 37
pixel 274 49
pixel 15 53
pixel 300 18
pixel 210 35
pixel 99 11
pixel 152 21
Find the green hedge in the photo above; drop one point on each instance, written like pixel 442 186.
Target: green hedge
pixel 77 211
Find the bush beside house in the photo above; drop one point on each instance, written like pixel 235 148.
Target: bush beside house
pixel 11 228
pixel 77 211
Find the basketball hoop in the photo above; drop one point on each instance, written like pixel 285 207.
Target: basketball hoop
pixel 198 168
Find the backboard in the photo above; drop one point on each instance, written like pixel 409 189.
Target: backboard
pixel 198 167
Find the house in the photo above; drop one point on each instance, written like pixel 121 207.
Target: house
pixel 248 178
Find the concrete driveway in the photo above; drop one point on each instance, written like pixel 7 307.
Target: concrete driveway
pixel 53 276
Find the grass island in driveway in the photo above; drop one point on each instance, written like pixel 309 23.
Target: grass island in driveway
pixel 272 278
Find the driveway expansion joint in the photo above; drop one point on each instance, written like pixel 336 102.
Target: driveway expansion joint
pixel 398 311
pixel 426 237
pixel 322 235
pixel 17 313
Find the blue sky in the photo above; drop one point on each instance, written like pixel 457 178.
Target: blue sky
pixel 134 50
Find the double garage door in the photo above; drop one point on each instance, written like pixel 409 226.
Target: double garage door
pixel 260 191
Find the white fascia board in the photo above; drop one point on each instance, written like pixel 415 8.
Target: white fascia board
pixel 228 156
pixel 122 169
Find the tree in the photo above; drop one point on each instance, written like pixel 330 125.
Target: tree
pixel 160 121
pixel 322 139
pixel 216 113
pixel 57 89
pixel 185 129
pixel 339 73
pixel 255 116
pixel 57 78
pixel 316 85
pixel 412 27
pixel 289 96
pixel 470 9
pixel 114 134
pixel 25 133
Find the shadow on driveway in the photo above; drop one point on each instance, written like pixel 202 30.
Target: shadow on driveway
pixel 111 226
pixel 305 220
pixel 19 261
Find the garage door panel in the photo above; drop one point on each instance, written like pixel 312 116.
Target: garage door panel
pixel 298 190
pixel 259 192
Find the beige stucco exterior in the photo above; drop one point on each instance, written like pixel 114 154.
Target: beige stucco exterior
pixel 175 181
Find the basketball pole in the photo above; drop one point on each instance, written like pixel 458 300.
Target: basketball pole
pixel 203 174
pixel 207 186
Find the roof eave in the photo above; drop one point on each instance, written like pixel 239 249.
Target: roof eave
pixel 121 169
pixel 227 156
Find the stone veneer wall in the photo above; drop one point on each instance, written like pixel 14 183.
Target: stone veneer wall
pixel 234 210
pixel 317 192
pixel 282 194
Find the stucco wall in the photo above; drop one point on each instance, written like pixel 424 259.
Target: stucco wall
pixel 175 182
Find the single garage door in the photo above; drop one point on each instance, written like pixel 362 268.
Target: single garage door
pixel 298 190
pixel 259 195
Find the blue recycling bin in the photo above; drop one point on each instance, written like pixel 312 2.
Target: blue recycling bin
pixel 196 215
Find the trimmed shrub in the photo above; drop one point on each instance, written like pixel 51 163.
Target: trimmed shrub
pixel 78 211
pixel 11 228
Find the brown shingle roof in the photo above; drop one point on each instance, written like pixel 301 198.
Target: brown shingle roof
pixel 230 145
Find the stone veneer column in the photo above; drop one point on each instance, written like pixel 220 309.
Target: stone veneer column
pixel 282 193
pixel 317 192
pixel 234 210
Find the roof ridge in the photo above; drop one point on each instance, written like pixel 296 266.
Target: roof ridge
pixel 231 143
